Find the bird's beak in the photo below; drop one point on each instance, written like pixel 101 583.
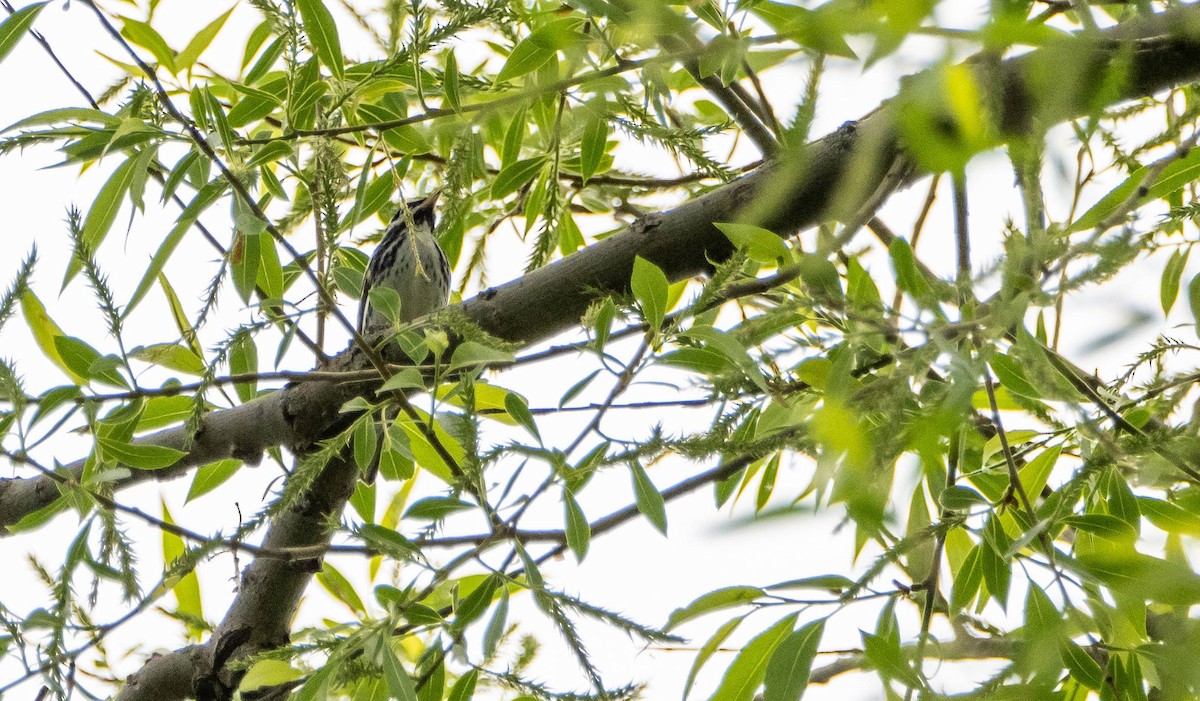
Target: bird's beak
pixel 432 198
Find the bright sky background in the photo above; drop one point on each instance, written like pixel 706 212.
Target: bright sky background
pixel 633 570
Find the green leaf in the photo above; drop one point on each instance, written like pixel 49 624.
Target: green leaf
pixel 1143 578
pixel 208 194
pixel 513 177
pixel 1036 473
pixel 211 476
pixel 246 258
pixel 749 668
pixel 1169 517
pixel 450 81
pixel 148 38
pixel 200 42
pixel 713 601
pixel 45 331
pixel 1168 289
pixel 516 407
pixel 591 146
pixel 513 137
pixel 464 688
pixel 1081 665
pixel 908 275
pixel 138 455
pixel 1194 298
pixel 968 579
pixel 476 603
pixel 243 360
pixel 366 440
pixel 790 665
pixel 164 411
pixel 399 683
pixel 267 673
pixel 406 378
pixel 77 355
pixel 959 498
pixel 532 52
pixel 496 627
pixel 649 286
pixel 182 323
pixel 340 588
pixel 649 500
pixel 103 212
pixel 885 655
pixel 473 353
pixel 186 587
pixel 15 26
pixel 1175 175
pixel 832 583
pixel 1012 377
pixel 731 349
pixel 322 34
pixel 436 508
pixel 388 541
pixel 171 356
pixel 1103 526
pixel 761 245
pixel 708 648
pixel 579 532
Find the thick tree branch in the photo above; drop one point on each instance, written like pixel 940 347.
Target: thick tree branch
pixel 825 180
pixel 261 615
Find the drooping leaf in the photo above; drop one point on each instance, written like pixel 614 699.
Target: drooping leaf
pixel 789 667
pixel 749 668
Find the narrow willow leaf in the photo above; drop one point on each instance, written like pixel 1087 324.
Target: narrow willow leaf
pixel 211 476
pixel 322 33
pixel 45 331
pixel 450 82
pixel 15 26
pixel 790 665
pixel 516 407
pixel 579 532
pixel 171 356
pixel 537 49
pixel 207 195
pixel 186 58
pixel 749 668
pixel 243 360
pixel 514 177
pixel 761 244
pixel 267 673
pixel 473 353
pixel 148 38
pixel 139 456
pixel 649 500
pixel 337 585
pixel 591 146
pixel 187 587
pixel 714 601
pixel 1169 286
pixel 708 648
pixel 649 286
pixel 103 212
pixel 1175 175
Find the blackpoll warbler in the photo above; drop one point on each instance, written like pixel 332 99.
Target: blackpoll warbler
pixel 409 260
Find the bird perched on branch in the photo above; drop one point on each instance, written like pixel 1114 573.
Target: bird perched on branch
pixel 409 260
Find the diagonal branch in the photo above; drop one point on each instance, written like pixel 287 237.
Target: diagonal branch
pixel 787 195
